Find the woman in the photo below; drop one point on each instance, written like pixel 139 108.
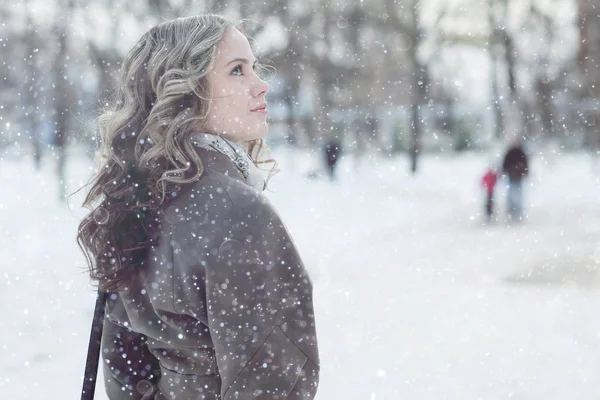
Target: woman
pixel 208 296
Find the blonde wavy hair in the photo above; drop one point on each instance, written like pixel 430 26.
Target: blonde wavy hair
pixel 163 96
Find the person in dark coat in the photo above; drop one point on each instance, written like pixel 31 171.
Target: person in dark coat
pixel 208 297
pixel 332 151
pixel 516 167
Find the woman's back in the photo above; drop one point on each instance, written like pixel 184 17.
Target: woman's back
pixel 224 300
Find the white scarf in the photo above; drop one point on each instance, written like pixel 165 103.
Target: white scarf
pixel 236 154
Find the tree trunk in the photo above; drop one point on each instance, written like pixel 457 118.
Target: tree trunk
pixel 497 103
pixel 589 54
pixel 61 106
pixel 28 91
pixel 419 94
pixel 415 137
pixel 291 99
pixel 544 89
pixel 510 56
pixel 499 125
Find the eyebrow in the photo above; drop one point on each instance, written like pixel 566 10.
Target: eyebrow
pixel 243 60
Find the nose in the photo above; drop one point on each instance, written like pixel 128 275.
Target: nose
pixel 260 88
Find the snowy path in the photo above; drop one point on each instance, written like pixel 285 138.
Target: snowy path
pixel 415 298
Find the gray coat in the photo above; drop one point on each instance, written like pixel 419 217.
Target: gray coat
pixel 222 310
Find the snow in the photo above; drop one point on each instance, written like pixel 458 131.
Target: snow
pixel 415 297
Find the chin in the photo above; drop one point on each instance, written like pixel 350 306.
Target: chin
pixel 259 133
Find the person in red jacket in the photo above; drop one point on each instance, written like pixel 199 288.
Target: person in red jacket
pixel 489 183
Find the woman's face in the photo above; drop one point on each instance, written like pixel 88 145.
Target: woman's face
pixel 238 110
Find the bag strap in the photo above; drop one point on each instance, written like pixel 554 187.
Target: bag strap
pixel 93 353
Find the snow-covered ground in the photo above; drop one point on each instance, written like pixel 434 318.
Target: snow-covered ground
pixel 415 297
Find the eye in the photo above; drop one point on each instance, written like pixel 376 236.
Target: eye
pixel 237 70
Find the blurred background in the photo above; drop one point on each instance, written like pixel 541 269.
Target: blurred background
pixel 387 118
pixel 385 76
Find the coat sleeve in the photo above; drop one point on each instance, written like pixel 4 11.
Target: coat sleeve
pixel 130 370
pixel 260 311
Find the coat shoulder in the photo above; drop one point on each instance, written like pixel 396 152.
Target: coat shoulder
pixel 215 196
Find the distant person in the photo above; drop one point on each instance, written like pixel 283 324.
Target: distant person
pixel 332 151
pixel 516 168
pixel 489 183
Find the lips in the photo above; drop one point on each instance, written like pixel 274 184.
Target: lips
pixel 261 107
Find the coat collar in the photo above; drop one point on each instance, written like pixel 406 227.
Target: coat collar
pixel 228 157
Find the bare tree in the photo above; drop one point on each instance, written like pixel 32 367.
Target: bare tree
pixel 545 82
pixel 29 85
pixel 61 96
pixel 405 18
pixel 496 36
pixel 589 67
pixel 503 53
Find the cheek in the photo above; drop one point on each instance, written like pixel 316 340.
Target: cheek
pixel 236 102
pixel 227 111
pixel 229 104
pixel 232 90
pixel 227 107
